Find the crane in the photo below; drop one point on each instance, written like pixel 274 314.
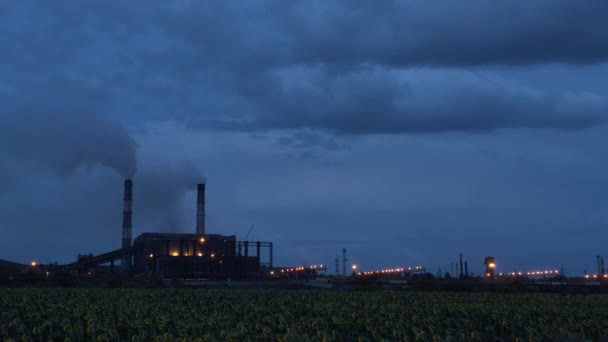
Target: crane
pixel 250 229
pixel 246 236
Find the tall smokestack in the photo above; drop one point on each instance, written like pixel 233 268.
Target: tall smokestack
pixel 461 270
pixel 200 209
pixel 127 214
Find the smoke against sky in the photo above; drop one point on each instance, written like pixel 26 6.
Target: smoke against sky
pixel 418 128
pixel 63 141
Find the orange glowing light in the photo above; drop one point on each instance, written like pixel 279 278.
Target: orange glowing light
pixel 199 254
pixel 174 254
pixel 202 240
pixel 151 256
pixel 33 264
pixel 213 255
pixel 492 265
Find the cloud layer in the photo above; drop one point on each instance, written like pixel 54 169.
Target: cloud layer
pixel 378 101
pixel 349 67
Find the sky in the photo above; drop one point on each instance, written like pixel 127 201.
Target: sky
pixel 406 132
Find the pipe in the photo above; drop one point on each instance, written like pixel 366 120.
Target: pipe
pixel 200 210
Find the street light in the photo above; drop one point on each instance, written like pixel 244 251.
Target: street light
pixel 354 267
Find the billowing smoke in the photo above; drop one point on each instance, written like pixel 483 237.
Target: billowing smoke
pixel 159 194
pixel 66 141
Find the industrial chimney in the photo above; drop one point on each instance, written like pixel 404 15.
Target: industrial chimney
pixel 200 210
pixel 461 270
pixel 127 214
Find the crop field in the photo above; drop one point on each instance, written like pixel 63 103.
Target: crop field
pixel 290 315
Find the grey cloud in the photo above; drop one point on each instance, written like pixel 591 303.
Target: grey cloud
pixel 398 33
pixel 306 139
pixel 380 101
pixel 340 66
pixel 405 33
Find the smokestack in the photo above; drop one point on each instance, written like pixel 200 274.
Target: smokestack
pixel 466 268
pixel 461 265
pixel 127 214
pixel 200 210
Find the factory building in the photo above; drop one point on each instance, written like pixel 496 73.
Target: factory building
pixel 194 256
pixel 198 255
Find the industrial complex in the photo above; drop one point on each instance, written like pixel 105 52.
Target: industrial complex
pixel 201 256
pixel 198 255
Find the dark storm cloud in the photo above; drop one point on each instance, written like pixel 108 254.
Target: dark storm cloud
pixel 65 141
pixel 456 33
pixel 397 33
pixel 342 66
pixel 377 101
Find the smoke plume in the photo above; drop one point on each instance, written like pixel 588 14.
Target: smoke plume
pixel 65 141
pixel 159 193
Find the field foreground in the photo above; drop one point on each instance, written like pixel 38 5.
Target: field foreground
pixel 285 315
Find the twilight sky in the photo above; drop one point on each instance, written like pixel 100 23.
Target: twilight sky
pixel 404 131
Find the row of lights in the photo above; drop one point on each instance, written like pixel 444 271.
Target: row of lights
pixel 176 254
pixel 541 273
pixel 595 276
pixel 392 270
pixel 302 268
pixel 531 273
